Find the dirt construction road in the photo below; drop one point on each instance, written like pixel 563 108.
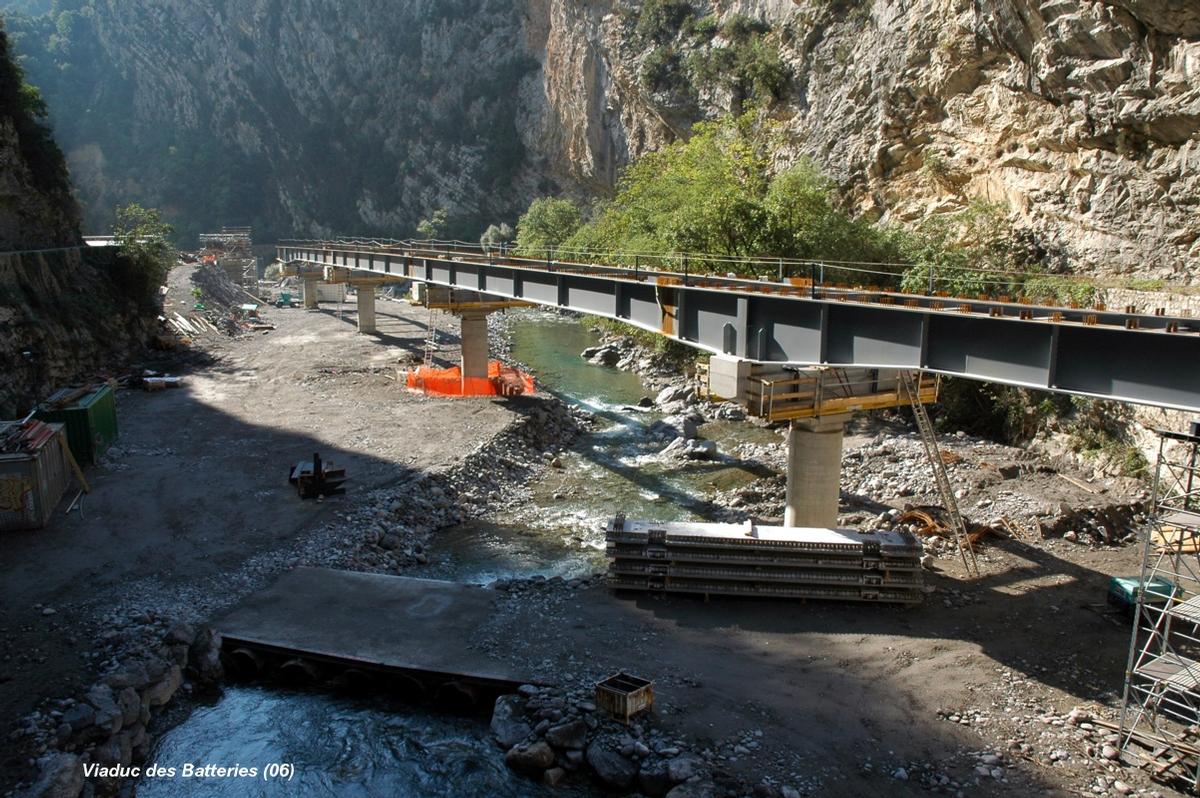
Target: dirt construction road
pixel 193 508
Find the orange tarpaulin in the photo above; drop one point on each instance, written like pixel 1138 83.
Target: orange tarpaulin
pixel 501 380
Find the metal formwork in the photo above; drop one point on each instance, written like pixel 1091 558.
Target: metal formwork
pixel 750 560
pixel 1160 714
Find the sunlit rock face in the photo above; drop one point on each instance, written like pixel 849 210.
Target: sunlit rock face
pixel 1082 117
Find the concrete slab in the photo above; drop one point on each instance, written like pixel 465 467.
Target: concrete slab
pixel 383 622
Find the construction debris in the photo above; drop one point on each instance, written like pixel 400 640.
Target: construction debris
pixel 623 695
pixel 750 560
pixel 315 479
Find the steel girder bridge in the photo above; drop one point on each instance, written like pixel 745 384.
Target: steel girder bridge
pixel 1151 359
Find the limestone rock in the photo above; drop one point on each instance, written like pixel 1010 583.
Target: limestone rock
pixel 61 776
pixel 508 727
pixel 568 735
pixel 613 770
pixel 530 759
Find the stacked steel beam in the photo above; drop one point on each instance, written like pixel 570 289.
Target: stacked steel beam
pixel 749 560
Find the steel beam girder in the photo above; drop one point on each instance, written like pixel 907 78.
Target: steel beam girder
pixel 1145 366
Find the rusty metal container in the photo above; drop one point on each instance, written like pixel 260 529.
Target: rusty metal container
pixel 32 483
pixel 623 695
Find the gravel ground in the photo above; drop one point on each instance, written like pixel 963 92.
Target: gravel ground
pixel 991 687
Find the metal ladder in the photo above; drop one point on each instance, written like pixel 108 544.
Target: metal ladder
pixel 938 465
pixel 431 338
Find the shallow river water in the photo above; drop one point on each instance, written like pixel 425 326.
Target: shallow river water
pixel 348 748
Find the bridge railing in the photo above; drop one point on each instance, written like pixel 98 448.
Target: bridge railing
pixel 820 279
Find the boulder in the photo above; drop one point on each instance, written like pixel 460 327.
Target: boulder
pixel 159 693
pixel 674 393
pixel 606 356
pixel 130 705
pixel 613 770
pixel 681 426
pixel 532 759
pixel 553 777
pixel 568 735
pixel 61 777
pixel 79 717
pixel 682 768
pixel 508 726
pixel 108 714
pixel 694 789
pixel 131 674
pixel 701 450
pixel 180 633
pixel 654 780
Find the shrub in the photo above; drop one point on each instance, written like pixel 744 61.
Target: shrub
pixel 548 223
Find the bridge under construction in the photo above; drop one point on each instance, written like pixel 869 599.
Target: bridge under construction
pixel 796 349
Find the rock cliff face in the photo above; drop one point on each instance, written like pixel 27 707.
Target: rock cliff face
pixel 36 207
pixel 1081 116
pixel 61 315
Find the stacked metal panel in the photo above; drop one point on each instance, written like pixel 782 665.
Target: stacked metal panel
pixel 749 560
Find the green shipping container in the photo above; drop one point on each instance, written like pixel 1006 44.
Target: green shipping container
pixel 91 421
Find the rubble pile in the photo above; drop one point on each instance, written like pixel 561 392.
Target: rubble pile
pixel 554 735
pixel 150 660
pixel 400 520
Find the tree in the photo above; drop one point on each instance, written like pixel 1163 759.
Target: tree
pixel 146 254
pixel 496 236
pixel 434 227
pixel 548 223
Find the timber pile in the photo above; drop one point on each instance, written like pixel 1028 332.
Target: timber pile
pixel 750 560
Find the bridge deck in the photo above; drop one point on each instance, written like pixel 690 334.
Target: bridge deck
pixel 1146 358
pixel 395 623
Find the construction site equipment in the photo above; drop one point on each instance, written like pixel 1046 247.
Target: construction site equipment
pixel 314 478
pixel 502 380
pixel 623 695
pixel 90 417
pixel 778 394
pixel 938 465
pixel 1160 713
pixel 1125 591
pixel 431 339
pixel 751 560
pixel 34 473
pixel 230 249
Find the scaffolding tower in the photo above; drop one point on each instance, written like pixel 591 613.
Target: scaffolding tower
pixel 1160 712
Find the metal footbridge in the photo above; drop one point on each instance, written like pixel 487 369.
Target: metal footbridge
pixel 1145 358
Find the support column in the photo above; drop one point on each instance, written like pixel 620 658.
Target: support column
pixel 366 309
pixel 474 344
pixel 311 287
pixel 814 472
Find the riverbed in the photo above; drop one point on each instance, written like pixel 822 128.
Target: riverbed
pixel 352 747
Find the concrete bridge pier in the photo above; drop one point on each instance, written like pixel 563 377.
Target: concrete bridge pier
pixel 814 471
pixel 365 295
pixel 311 288
pixel 474 337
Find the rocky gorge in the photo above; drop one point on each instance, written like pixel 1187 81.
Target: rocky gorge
pixel 1080 120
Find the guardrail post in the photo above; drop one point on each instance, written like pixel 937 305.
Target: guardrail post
pixel 781 270
pixel 930 291
pixel 685 270
pixel 636 263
